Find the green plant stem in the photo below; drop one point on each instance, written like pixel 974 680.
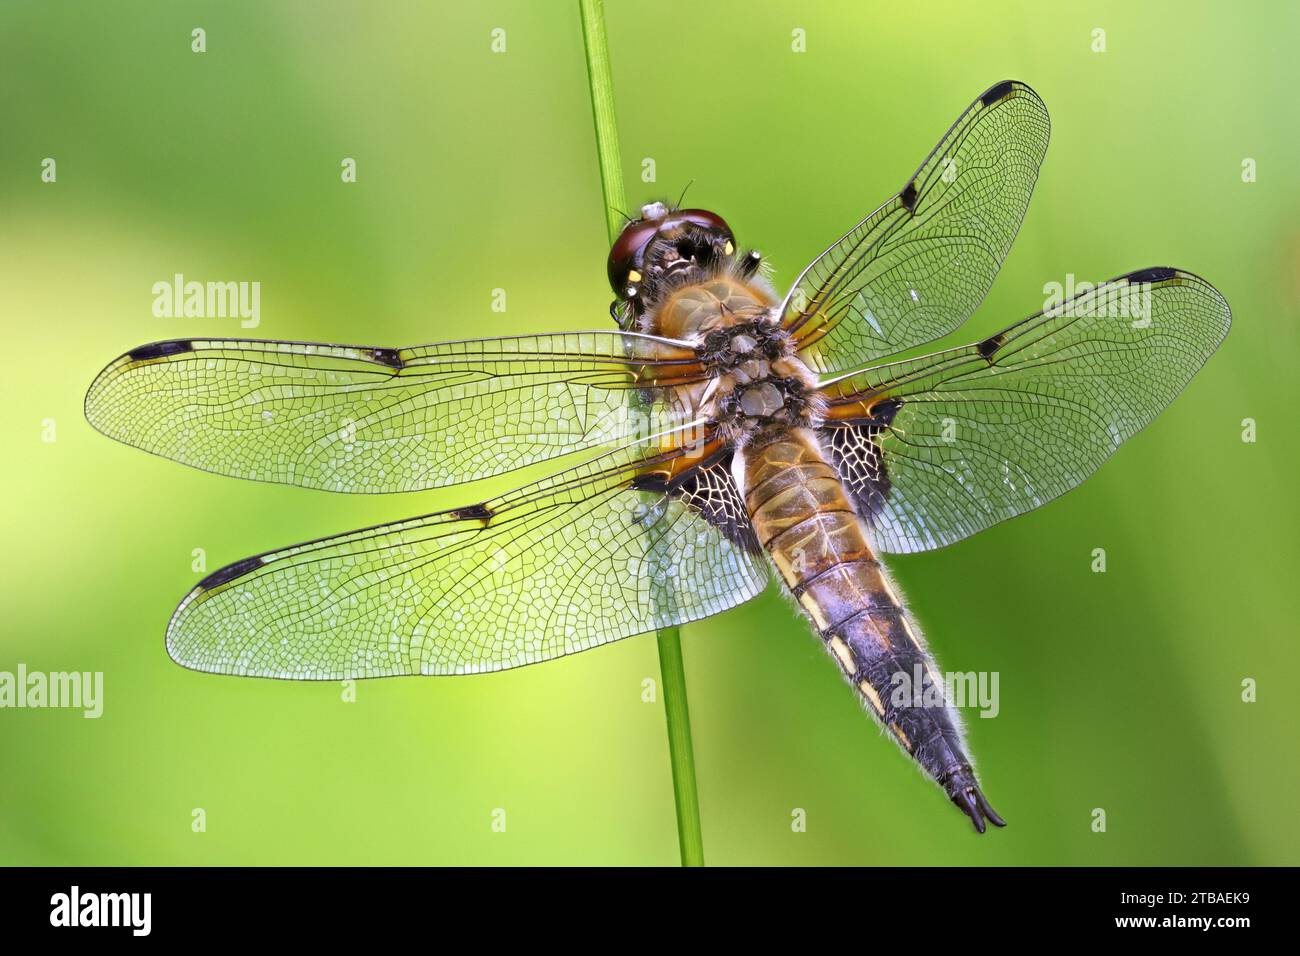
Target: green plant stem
pixel 673 674
pixel 681 753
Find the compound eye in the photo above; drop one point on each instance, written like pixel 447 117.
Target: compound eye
pixel 706 220
pixel 625 255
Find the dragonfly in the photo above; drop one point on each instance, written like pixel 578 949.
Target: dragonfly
pixel 720 436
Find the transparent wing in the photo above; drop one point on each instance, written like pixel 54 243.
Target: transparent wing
pixel 369 420
pixel 578 560
pixel 940 447
pixel 918 266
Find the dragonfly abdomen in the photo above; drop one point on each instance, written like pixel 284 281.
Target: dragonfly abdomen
pixel 820 547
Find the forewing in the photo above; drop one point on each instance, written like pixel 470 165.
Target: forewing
pixel 367 420
pixel 938 448
pixel 918 266
pixel 578 560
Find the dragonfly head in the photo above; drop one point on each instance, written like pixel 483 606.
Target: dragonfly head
pixel 663 243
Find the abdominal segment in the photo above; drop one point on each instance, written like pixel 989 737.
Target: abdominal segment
pixel 804 520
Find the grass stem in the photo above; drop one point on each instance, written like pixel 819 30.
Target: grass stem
pixel 673 674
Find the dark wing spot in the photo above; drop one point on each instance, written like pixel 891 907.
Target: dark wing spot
pixel 157 350
pixel 1154 274
pixel 387 357
pixel 479 512
pixel 908 197
pixel 998 92
pixel 857 457
pixel 652 481
pixel 711 492
pixel 883 412
pixel 229 573
pixel 988 348
pixel 708 490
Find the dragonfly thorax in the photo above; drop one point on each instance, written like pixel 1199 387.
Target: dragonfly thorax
pixel 761 382
pixel 755 378
pixel 696 310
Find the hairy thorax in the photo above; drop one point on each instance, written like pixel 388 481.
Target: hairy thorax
pixel 756 382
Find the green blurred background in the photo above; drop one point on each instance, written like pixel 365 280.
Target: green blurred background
pixel 477 171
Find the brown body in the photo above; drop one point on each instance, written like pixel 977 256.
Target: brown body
pixel 806 521
pixel 821 549
pixel 769 414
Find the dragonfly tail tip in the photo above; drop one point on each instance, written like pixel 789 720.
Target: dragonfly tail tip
pixel 971 801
